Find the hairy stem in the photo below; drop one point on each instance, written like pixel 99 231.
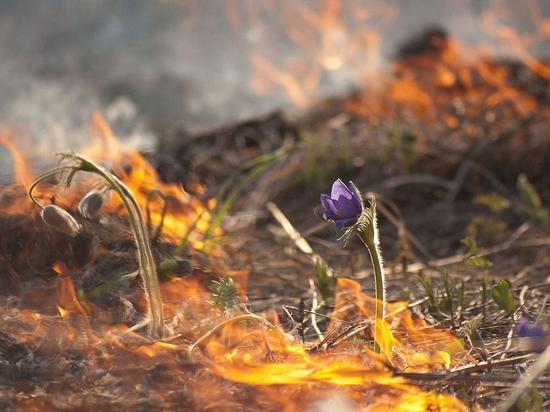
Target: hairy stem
pixel 147 266
pixel 369 235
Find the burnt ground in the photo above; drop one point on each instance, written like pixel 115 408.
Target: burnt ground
pixel 452 216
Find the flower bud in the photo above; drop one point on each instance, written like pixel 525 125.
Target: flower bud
pixel 91 204
pixel 60 220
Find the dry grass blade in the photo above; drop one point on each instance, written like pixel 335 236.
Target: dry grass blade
pixel 537 369
pixel 301 243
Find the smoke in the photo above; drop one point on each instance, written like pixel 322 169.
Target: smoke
pixel 182 64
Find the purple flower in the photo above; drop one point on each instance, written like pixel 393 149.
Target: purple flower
pixel 343 206
pixel 527 329
pixel 535 337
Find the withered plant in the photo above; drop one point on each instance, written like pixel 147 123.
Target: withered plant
pixel 70 164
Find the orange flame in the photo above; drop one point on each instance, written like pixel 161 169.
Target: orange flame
pixel 247 351
pixel 182 210
pixel 252 353
pixel 21 168
pixel 140 176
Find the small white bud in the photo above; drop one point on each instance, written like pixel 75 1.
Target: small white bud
pixel 91 204
pixel 60 220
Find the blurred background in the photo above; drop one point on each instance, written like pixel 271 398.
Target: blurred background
pixel 154 66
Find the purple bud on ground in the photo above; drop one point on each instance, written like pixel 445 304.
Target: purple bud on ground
pixel 60 220
pixel 533 335
pixel 527 329
pixel 343 206
pixel 91 204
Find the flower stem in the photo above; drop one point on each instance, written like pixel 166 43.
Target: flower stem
pixel 147 265
pixel 369 235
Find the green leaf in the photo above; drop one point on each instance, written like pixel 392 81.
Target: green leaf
pixel 530 401
pixel 470 328
pixel 493 201
pixel 503 297
pixel 532 203
pixel 225 292
pixel 325 283
pixel 254 169
pixel 433 303
pixel 528 193
pixel 472 254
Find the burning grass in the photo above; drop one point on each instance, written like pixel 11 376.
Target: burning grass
pixel 58 327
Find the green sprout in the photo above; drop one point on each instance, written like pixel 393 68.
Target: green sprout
pixel 531 202
pixel 225 292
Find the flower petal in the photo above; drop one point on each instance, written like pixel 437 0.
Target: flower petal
pixel 342 223
pixel 339 189
pixel 526 329
pixel 356 195
pixel 346 208
pixel 330 212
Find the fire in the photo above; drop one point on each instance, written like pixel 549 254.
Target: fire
pixel 497 21
pixel 430 85
pixel 182 210
pixel 169 204
pixel 322 42
pixel 254 350
pixel 262 354
pixel 245 352
pixel 14 195
pixel 21 168
pixel 212 352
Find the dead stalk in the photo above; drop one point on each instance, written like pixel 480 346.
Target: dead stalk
pixel 74 163
pixel 525 380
